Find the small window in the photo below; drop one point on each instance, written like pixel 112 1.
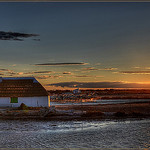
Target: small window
pixel 14 100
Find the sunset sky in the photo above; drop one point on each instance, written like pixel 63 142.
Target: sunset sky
pixel 101 45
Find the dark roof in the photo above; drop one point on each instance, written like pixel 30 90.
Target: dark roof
pixel 21 87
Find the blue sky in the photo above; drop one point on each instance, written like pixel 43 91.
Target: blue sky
pixel 110 39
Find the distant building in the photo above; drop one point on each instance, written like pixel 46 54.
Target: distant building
pixel 27 90
pixel 68 93
pixel 76 91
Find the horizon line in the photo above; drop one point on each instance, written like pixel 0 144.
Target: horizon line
pixel 74 1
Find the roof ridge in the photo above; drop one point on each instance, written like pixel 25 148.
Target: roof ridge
pixel 19 78
pixel 21 87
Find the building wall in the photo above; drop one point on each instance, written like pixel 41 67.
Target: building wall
pixel 43 101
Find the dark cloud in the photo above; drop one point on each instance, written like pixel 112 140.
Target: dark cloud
pixel 134 72
pixel 100 85
pixel 38 72
pixel 5 70
pixel 28 73
pixel 15 35
pixel 67 73
pixel 42 72
pixel 83 76
pixel 59 64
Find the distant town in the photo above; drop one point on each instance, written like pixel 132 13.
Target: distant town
pixel 90 95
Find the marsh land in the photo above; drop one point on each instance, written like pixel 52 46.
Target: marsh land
pixel 78 124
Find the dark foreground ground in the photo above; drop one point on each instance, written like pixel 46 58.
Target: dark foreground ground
pixel 143 108
pixel 79 112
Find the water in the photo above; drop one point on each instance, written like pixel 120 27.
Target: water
pixel 103 101
pixel 128 133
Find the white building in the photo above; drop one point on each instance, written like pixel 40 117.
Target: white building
pixel 76 91
pixel 27 90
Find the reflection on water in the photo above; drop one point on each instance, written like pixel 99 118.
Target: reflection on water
pixel 103 101
pixel 75 134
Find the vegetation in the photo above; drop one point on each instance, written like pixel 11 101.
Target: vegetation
pixel 23 107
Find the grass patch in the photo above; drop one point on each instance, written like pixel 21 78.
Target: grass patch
pixel 23 107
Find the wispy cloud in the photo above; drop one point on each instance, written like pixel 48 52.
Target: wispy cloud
pixel 20 73
pixel 43 77
pixel 69 73
pixel 12 73
pixel 90 68
pixel 99 76
pixel 83 76
pixel 141 68
pixel 134 72
pixel 147 68
pixel 55 76
pixel 87 76
pixel 36 39
pixel 97 64
pixel 136 67
pixel 42 72
pixel 46 77
pixel 60 64
pixel 14 65
pixel 95 69
pixel 15 35
pixel 100 85
pixel 5 70
pixel 109 69
pixel 39 72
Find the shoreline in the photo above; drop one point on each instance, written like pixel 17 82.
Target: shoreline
pixel 141 107
pixel 80 112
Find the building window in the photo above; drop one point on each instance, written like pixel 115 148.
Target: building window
pixel 14 100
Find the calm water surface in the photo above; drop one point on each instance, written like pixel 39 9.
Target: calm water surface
pixel 103 101
pixel 129 133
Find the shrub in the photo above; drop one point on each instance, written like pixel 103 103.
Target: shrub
pixel 23 107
